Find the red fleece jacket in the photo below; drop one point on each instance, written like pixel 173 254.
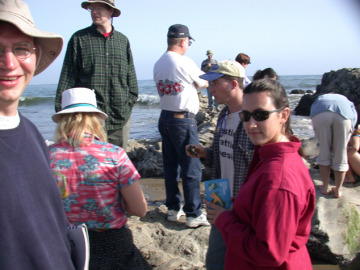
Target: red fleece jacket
pixel 271 220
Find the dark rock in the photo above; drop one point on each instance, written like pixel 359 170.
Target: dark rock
pixel 335 234
pixel 303 108
pixel 297 91
pixel 147 157
pixel 345 81
pixel 353 265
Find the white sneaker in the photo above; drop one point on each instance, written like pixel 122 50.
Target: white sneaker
pixel 173 215
pixel 198 221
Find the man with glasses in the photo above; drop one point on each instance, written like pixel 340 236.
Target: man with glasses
pixel 177 79
pixel 231 151
pixel 100 58
pixel 33 225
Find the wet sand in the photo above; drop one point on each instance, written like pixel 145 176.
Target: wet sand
pixel 154 190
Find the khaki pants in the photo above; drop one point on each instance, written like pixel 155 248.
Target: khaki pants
pixel 333 133
pixel 120 136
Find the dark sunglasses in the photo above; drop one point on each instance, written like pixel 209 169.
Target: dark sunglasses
pixel 258 115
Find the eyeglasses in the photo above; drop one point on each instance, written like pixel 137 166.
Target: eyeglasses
pixel 97 9
pixel 21 51
pixel 190 42
pixel 258 115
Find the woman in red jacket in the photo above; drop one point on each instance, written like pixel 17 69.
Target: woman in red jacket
pixel 270 222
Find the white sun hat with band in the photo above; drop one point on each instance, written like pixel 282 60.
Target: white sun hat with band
pixel 17 13
pixel 76 100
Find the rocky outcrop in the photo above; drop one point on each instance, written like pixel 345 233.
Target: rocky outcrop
pixel 300 91
pixel 335 232
pixel 169 245
pixel 345 81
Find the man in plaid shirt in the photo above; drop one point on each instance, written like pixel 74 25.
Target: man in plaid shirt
pixel 100 58
pixel 231 151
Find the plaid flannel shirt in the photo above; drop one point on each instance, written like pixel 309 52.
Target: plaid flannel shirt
pixel 243 153
pixel 105 65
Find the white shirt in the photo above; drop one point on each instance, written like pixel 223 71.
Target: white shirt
pixel 175 75
pixel 246 81
pixel 226 149
pixel 9 122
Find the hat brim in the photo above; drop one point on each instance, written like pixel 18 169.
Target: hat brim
pixel 50 44
pixel 211 76
pixel 116 13
pixel 177 36
pixel 56 116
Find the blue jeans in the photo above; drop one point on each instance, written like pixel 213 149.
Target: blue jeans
pixel 215 256
pixel 210 99
pixel 178 130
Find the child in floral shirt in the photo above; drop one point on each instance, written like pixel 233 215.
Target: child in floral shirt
pixel 97 181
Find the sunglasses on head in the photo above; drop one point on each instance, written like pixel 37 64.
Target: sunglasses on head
pixel 258 115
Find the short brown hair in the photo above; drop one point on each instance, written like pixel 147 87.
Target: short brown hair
pixel 242 58
pixel 238 79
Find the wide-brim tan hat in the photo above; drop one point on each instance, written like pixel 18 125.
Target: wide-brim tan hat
pixel 78 99
pixel 18 13
pixel 110 3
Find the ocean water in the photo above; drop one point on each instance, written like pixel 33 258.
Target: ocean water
pixel 37 104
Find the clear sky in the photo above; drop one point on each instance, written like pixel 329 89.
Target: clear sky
pixel 307 37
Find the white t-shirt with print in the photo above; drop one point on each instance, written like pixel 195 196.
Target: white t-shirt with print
pixel 174 75
pixel 227 130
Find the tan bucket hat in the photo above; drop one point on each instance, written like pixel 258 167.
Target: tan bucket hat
pixel 18 13
pixel 110 3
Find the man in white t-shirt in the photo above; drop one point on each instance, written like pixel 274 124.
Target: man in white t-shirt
pixel 177 81
pixel 231 151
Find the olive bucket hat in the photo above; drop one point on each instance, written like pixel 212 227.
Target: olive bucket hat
pixel 110 3
pixel 17 13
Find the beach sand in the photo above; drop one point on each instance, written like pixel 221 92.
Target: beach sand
pixel 154 189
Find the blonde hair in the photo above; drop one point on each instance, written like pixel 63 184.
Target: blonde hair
pixel 71 127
